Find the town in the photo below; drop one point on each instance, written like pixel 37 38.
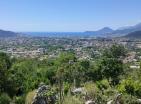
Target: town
pixel 84 48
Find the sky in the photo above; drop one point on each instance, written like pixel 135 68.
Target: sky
pixel 67 15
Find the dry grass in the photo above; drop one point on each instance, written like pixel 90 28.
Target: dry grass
pixel 30 97
pixel 72 100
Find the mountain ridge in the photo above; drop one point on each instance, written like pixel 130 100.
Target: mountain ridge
pixel 135 35
pixel 122 31
pixel 105 30
pixel 4 34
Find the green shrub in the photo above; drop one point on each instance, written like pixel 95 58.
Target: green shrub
pixel 94 93
pixel 4 98
pixel 128 99
pixel 110 93
pixel 131 87
pixel 103 84
pixel 66 88
pixel 19 100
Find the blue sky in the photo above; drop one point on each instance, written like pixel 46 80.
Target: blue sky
pixel 67 15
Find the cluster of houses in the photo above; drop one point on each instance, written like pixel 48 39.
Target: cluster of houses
pixel 25 53
pixel 84 48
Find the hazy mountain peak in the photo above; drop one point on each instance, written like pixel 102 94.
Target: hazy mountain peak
pixel 106 29
pixel 102 31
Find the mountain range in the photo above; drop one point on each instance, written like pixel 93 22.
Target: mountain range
pixel 104 32
pixel 128 29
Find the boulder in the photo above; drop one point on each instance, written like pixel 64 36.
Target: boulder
pixel 90 102
pixel 44 95
pixel 110 102
pixel 78 91
pixel 139 100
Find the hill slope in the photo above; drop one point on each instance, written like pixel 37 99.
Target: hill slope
pixel 5 34
pixel 136 34
pixel 127 30
pixel 101 32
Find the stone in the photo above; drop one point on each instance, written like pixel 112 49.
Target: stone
pixel 41 96
pixel 110 102
pixel 90 102
pixel 139 100
pixel 78 91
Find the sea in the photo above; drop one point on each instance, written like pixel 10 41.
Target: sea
pixel 58 34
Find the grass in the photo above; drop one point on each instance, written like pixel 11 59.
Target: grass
pixel 30 96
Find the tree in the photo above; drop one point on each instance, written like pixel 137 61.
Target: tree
pixel 115 51
pixel 66 60
pixel 25 75
pixel 6 83
pixel 63 71
pixel 79 72
pixel 111 69
pixel 111 65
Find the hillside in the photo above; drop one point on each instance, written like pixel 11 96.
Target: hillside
pixel 101 31
pixel 127 30
pixel 122 31
pixel 136 34
pixel 5 34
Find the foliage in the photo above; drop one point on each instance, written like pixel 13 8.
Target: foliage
pixel 131 87
pixel 6 83
pixel 27 81
pixel 94 93
pixel 103 84
pixel 115 51
pixel 110 65
pixel 128 99
pixel 19 100
pixel 111 69
pixel 4 98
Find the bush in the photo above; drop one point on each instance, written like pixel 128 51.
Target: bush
pixel 4 98
pixel 103 84
pixel 131 87
pixel 128 99
pixel 110 93
pixel 19 100
pixel 94 93
pixel 66 88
